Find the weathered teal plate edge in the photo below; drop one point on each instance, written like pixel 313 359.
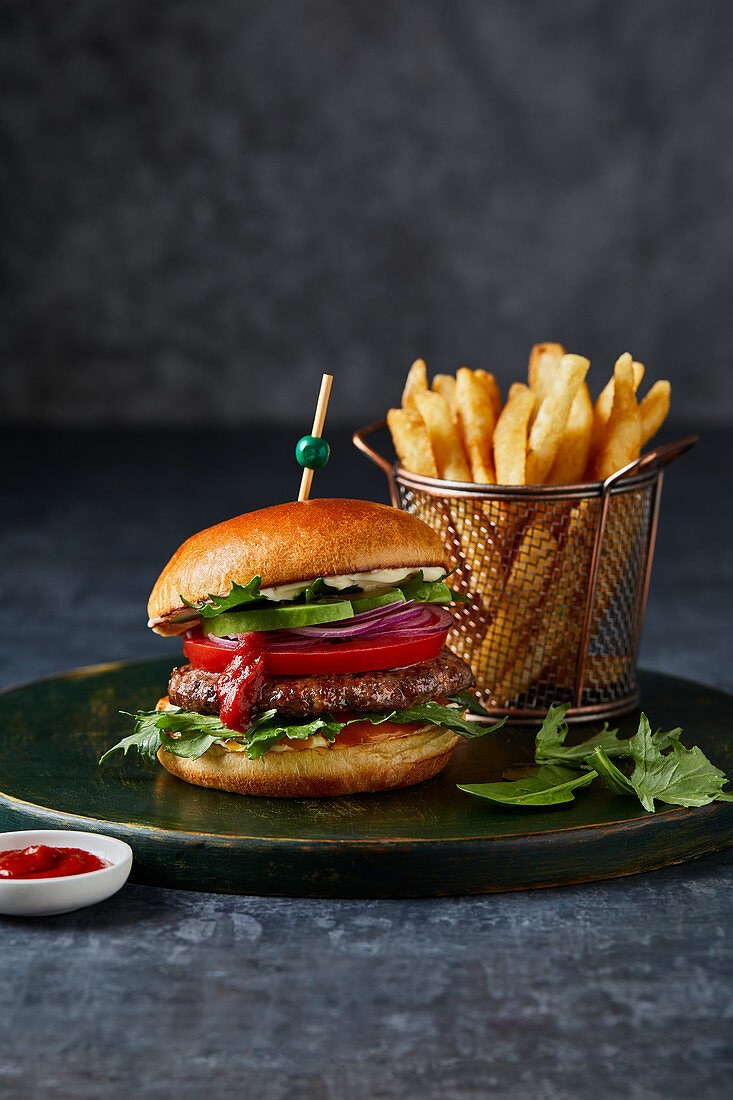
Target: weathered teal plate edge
pixel 406 866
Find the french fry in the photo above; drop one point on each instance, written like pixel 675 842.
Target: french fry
pixel 604 669
pixel 477 420
pixel 572 456
pixel 445 385
pixel 417 382
pixel 602 412
pixel 510 435
pixel 544 360
pixel 518 648
pixel 517 603
pixel 411 441
pixel 532 563
pixel 654 408
pixel 492 390
pixel 604 404
pixel 548 629
pixel 523 561
pixel 530 656
pixel 622 442
pixel 567 597
pixel 445 439
pixel 477 534
pixel 547 430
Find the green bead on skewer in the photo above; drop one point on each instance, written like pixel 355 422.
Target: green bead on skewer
pixel 312 452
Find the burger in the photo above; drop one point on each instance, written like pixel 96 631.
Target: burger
pixel 314 638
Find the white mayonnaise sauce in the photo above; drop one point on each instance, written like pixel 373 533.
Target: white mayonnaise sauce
pixel 368 582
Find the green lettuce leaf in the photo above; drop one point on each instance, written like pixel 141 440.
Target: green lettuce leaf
pixel 549 785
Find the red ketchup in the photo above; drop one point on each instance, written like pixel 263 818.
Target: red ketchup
pixel 240 684
pixel 39 861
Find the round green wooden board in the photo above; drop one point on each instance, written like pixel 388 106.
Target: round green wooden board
pixel 426 840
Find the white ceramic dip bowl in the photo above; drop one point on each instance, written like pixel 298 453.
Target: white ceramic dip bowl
pixel 45 897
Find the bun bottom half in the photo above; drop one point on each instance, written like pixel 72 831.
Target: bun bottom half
pixel 384 765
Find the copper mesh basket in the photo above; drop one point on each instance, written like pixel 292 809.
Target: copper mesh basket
pixel 557 578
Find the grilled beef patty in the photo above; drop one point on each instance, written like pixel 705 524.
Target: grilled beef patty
pixel 393 689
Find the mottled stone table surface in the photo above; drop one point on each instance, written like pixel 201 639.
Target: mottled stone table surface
pixel 616 989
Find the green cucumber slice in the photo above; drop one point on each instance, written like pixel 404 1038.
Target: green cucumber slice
pixel 370 600
pixel 277 618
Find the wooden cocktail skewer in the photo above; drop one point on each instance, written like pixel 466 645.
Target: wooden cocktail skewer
pixel 318 422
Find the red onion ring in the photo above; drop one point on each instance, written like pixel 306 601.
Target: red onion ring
pixel 403 620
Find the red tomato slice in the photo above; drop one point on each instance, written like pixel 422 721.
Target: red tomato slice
pixel 359 733
pixel 327 657
pixel 206 655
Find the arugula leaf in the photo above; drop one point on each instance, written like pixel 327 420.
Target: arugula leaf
pixel 612 776
pixel 240 596
pixel 552 733
pixel 270 732
pixel 193 744
pixel 237 596
pixel 185 733
pixel 680 777
pixel 663 768
pixel 185 722
pixel 438 715
pixel 550 747
pixel 664 738
pixel 458 597
pixel 549 785
pixel 145 738
pixel 316 591
pixel 196 733
pixel 319 589
pixel 469 702
pixel 417 588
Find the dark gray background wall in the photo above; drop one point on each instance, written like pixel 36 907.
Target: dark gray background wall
pixel 207 204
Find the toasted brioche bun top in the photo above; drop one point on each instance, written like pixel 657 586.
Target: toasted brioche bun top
pixel 294 542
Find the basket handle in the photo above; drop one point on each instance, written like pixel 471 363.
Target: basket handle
pixel 657 459
pixel 359 441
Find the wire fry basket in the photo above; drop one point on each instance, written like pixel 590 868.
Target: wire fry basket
pixel 557 578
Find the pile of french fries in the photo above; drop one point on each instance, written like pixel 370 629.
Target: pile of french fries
pixel 526 565
pixel 547 432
